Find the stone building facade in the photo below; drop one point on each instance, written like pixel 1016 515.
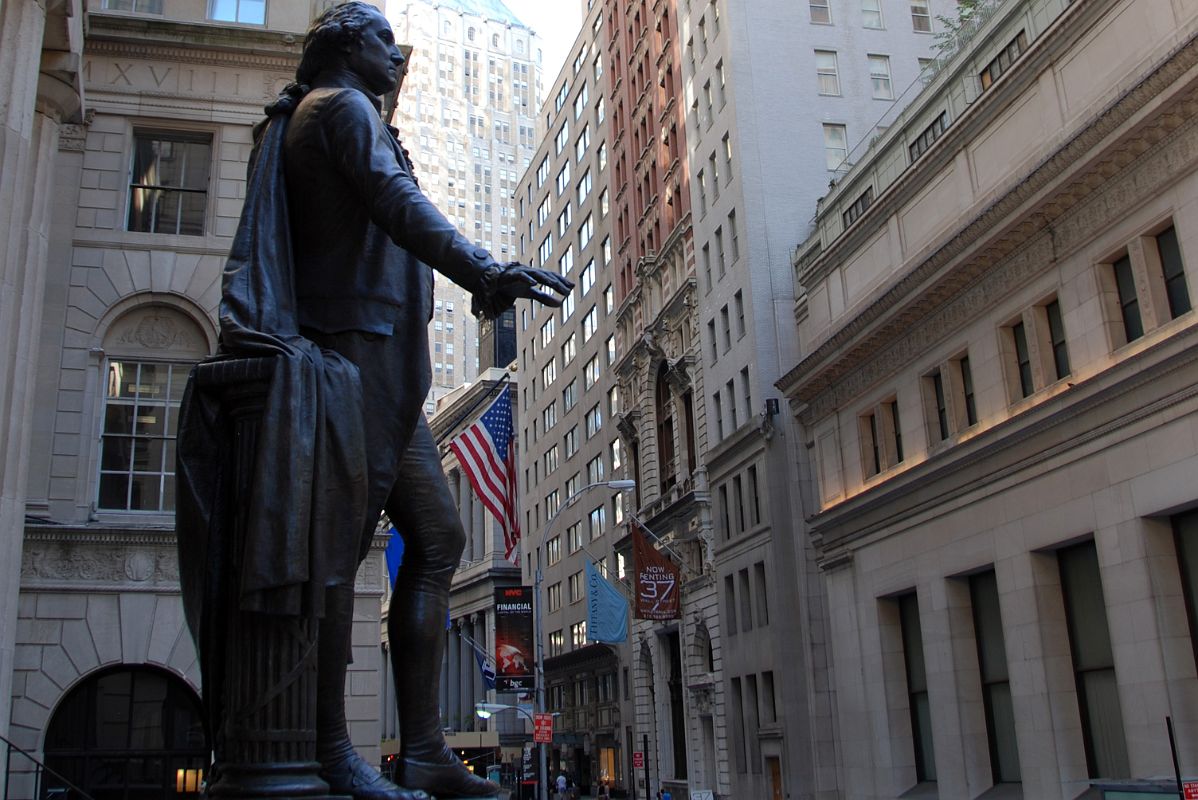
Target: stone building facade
pixel 139 196
pixel 569 445
pixel 996 388
pixel 779 97
pixel 41 91
pixel 677 685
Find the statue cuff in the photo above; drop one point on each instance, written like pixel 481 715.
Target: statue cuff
pixel 487 301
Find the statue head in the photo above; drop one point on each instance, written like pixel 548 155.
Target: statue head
pixel 354 36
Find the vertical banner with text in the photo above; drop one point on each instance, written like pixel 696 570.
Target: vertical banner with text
pixel 656 581
pixel 515 655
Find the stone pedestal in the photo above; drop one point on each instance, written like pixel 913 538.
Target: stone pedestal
pixel 266 742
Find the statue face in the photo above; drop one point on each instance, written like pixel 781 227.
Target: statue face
pixel 377 59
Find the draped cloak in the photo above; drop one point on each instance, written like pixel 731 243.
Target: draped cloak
pixel 305 497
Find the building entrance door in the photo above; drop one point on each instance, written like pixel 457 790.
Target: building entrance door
pixel 129 733
pixel 774 767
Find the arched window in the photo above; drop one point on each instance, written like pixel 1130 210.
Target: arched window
pixel 665 431
pixel 150 351
pixel 128 733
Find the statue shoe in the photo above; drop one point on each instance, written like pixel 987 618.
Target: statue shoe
pixel 351 775
pixel 447 777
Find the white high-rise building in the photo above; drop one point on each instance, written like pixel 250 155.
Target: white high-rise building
pixel 467 116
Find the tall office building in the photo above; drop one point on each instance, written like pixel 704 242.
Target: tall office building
pixel 779 96
pixel 679 698
pixel 706 197
pixel 569 446
pixel 467 114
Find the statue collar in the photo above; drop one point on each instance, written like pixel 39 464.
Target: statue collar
pixel 345 79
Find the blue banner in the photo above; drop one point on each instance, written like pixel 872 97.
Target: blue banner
pixel 394 555
pixel 607 609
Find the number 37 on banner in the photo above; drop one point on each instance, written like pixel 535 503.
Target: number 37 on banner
pixel 657 579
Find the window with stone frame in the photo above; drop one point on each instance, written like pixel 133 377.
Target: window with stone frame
pixel 921 16
pixel 1035 349
pixel 168 188
pixel 1144 286
pixel 578 635
pixel 150 352
pixel 949 404
pixel 881 438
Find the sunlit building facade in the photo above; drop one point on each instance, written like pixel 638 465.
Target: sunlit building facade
pixel 996 383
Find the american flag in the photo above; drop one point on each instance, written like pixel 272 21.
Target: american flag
pixel 487 452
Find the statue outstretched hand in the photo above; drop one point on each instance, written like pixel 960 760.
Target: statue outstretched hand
pixel 518 281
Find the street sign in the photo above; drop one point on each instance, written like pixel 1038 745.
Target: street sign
pixel 542 728
pixel 638 760
pixel 1190 790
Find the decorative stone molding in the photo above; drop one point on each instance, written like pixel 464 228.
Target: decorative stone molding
pixel 626 424
pixel 73 138
pixel 1002 266
pixel 866 334
pixel 678 373
pixel 99 561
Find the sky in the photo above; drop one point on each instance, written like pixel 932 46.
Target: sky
pixel 557 23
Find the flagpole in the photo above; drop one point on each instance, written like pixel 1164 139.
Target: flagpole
pixel 538 617
pixel 681 561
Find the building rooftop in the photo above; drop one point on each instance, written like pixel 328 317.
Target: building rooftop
pixel 490 9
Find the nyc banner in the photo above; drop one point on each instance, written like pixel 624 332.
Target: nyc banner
pixel 515 655
pixel 656 580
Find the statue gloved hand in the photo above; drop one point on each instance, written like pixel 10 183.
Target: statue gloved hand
pixel 518 281
pixel 504 284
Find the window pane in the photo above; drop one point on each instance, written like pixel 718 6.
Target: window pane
pixel 252 12
pixel 1174 272
pixel 1129 304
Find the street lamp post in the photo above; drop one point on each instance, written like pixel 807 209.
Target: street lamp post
pixel 539 620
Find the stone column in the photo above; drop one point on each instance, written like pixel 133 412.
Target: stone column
pixel 466 512
pixel 478 527
pixel 479 635
pixel 444 686
pixel 1043 697
pixel 1142 589
pixel 465 664
pixel 454 657
pixel 30 113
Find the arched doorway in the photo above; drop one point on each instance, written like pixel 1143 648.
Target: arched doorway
pixel 128 733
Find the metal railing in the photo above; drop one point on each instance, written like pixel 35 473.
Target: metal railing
pixel 68 791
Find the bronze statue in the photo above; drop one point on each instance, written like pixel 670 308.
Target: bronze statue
pixel 330 272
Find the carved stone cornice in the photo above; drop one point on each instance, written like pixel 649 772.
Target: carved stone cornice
pixel 678 373
pixel 74 559
pixel 92 558
pixel 167 41
pixel 978 265
pixel 627 423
